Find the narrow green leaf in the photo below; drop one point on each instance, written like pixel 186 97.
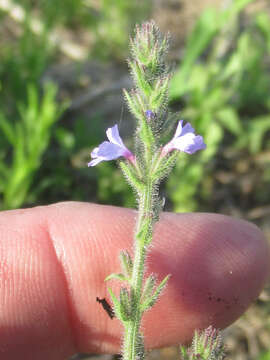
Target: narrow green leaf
pixel 184 353
pixel 230 120
pixel 146 135
pixel 130 174
pixel 257 131
pixel 133 104
pixel 7 129
pixel 4 171
pixel 116 304
pixel 151 302
pixel 120 277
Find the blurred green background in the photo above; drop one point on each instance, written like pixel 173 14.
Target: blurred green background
pixel 62 70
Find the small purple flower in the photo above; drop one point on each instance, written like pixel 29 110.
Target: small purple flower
pixel 112 149
pixel 150 114
pixel 184 140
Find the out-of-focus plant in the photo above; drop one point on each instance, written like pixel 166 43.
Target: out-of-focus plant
pixel 265 356
pixel 109 21
pixel 28 137
pixel 27 115
pixel 116 19
pixel 22 61
pixel 111 186
pixel 225 85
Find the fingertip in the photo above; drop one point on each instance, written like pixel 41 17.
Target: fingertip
pixel 219 266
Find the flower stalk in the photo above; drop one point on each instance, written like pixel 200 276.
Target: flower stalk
pixel 144 170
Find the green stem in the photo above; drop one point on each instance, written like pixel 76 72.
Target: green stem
pixel 143 237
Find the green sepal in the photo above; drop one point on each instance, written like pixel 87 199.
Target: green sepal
pixel 149 48
pixel 140 78
pixel 153 299
pixel 158 207
pixel 165 167
pixel 149 285
pixel 146 135
pixel 159 95
pixel 134 105
pixel 131 176
pixel 125 305
pixel 126 263
pixel 120 277
pixel 208 344
pixel 137 107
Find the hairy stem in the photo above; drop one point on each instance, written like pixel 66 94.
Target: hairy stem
pixel 133 347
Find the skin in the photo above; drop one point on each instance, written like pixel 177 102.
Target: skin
pixel 53 261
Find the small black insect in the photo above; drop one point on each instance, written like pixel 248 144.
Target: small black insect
pixel 107 307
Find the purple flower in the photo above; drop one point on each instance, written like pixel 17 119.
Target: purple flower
pixel 112 149
pixel 150 114
pixel 184 140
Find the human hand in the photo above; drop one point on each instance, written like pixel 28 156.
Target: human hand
pixel 53 261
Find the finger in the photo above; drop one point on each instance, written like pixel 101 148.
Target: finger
pixel 53 261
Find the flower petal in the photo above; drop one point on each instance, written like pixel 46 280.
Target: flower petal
pixel 182 130
pixel 150 115
pixel 110 151
pixel 178 130
pixel 188 143
pixel 187 128
pixel 114 137
pixel 94 162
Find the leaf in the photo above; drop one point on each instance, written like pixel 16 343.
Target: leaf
pixel 116 304
pixel 7 129
pixel 120 277
pixel 151 302
pixel 134 106
pixel 212 139
pixel 131 176
pixel 257 130
pixel 233 10
pixel 184 353
pixel 207 26
pixel 263 22
pixel 201 35
pixel 230 120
